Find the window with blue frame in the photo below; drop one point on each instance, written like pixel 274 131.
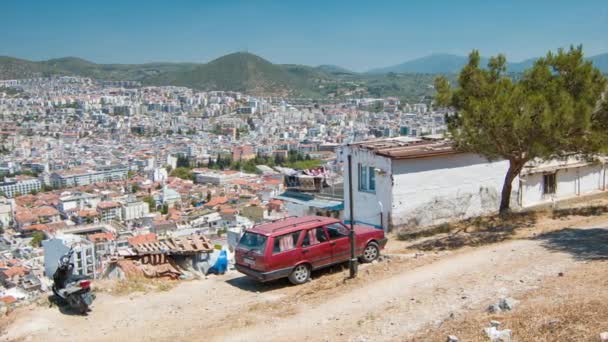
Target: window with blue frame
pixel 367 178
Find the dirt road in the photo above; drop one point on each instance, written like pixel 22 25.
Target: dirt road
pixel 391 301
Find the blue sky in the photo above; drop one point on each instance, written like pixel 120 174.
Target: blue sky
pixel 355 34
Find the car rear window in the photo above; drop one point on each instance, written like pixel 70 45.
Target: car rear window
pixel 253 242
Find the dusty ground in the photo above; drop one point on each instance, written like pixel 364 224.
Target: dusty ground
pixel 420 296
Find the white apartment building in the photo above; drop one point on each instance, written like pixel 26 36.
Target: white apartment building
pixel 12 187
pixel 215 177
pixel 6 212
pixel 133 210
pixel 408 183
pixel 83 258
pixel 68 178
pixel 78 201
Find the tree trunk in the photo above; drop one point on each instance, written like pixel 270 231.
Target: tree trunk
pixel 515 167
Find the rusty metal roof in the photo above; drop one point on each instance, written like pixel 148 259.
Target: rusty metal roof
pixel 408 148
pixel 176 245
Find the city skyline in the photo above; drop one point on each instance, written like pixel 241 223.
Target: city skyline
pixel 340 33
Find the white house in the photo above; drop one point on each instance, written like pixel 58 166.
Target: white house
pixel 408 182
pixel 83 257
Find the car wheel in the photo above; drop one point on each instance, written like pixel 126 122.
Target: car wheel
pixel 370 253
pixel 300 274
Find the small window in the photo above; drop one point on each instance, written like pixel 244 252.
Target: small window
pixel 367 178
pixel 313 237
pixel 285 242
pixel 336 231
pixel 549 183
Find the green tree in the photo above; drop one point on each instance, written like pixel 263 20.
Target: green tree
pixel 550 112
pixel 151 203
pixel 37 238
pixel 183 173
pixel 183 161
pixel 164 209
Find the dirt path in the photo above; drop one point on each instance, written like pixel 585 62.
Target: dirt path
pixel 393 307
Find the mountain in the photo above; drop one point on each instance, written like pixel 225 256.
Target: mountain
pixel 600 62
pixel 334 69
pixel 246 72
pixel 239 71
pixel 449 64
pixel 432 64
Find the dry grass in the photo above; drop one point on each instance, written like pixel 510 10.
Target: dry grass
pixel 135 284
pixel 476 231
pixel 568 308
pixel 485 230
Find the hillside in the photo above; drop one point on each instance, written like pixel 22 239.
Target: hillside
pixel 447 64
pixel 243 72
pixel 12 68
pixel 246 72
pixel 432 64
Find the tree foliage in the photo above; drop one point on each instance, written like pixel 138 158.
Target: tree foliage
pixel 183 173
pixel 550 112
pixel 37 238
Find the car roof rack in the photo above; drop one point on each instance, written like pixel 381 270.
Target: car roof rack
pixel 295 224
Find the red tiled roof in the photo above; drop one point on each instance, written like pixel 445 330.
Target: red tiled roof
pixel 8 299
pixel 228 211
pixel 16 270
pixel 87 213
pixel 25 217
pixel 38 227
pixel 107 205
pixel 45 211
pixel 216 201
pixel 98 237
pixel 135 240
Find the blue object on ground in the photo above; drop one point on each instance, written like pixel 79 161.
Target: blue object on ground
pixel 221 264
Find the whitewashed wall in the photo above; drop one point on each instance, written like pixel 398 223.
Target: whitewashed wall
pixel 433 190
pixel 368 205
pixel 571 182
pixel 428 191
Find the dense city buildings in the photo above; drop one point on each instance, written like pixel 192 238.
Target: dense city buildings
pixel 104 165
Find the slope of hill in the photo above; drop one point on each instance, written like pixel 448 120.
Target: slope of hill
pixel 432 64
pixel 600 62
pixel 448 64
pixel 249 73
pixel 334 69
pixel 246 72
pixel 11 68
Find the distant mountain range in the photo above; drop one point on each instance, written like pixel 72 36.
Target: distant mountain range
pixel 239 71
pixel 448 64
pixel 246 72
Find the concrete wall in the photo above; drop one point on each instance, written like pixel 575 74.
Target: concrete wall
pixel 368 205
pixel 571 182
pixel 429 191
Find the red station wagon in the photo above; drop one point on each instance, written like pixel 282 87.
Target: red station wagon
pixel 295 246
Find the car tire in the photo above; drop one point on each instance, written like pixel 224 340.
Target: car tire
pixel 300 274
pixel 370 253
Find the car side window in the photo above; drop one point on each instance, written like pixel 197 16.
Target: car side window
pixel 336 231
pixel 314 237
pixel 283 243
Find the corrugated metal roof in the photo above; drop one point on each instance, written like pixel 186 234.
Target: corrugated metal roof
pixel 408 148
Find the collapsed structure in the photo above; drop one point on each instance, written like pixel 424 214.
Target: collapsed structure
pixel 162 258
